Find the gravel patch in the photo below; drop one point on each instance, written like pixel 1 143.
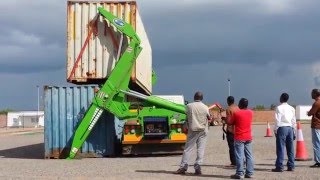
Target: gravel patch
pixel 21 157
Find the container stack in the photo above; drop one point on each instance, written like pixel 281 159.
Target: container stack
pixel 93 48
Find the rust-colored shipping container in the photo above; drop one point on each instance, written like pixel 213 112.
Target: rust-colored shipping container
pixel 94 46
pixel 3 120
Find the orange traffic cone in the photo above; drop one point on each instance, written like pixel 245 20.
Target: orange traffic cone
pixel 301 152
pixel 268 133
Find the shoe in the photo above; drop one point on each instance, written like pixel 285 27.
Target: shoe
pixel 197 169
pixel 197 172
pixel 316 165
pixel 236 176
pixel 277 170
pixel 181 171
pixel 290 169
pixel 248 176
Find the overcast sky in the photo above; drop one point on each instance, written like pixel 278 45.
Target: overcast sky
pixel 264 47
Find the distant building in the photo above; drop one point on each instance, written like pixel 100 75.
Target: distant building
pixel 3 120
pixel 25 119
pixel 301 112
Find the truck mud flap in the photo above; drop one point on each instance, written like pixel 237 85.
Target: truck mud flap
pixel 148 149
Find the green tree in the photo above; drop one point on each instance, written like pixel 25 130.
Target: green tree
pixel 5 111
pixel 259 107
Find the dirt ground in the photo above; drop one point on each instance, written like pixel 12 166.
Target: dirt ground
pixel 22 153
pixel 263 116
pixel 259 117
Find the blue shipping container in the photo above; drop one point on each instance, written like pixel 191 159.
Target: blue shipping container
pixel 64 109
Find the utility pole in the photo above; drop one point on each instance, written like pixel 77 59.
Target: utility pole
pixel 38 105
pixel 229 86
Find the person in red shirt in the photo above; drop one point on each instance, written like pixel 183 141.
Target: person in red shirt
pixel 242 120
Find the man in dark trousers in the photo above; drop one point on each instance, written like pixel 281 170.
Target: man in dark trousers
pixel 284 129
pixel 232 107
pixel 315 126
pixel 242 120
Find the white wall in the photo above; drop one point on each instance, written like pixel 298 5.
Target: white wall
pixel 301 112
pixel 25 119
pixel 179 99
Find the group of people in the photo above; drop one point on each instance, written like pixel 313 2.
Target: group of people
pixel 239 135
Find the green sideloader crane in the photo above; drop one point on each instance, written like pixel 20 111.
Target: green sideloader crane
pixel 149 119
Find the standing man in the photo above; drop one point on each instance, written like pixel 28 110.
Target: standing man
pixel 315 126
pixel 198 117
pixel 242 120
pixel 232 107
pixel 284 130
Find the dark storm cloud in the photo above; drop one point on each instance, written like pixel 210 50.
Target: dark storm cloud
pixel 283 70
pixel 257 43
pixel 317 81
pixel 32 36
pixel 28 68
pixel 239 33
pixel 180 32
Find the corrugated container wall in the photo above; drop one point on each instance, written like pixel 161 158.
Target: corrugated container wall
pixel 64 109
pixel 95 43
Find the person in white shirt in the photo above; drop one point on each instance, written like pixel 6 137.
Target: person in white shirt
pixel 284 129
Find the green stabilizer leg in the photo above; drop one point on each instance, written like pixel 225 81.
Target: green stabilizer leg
pixel 108 98
pixel 89 120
